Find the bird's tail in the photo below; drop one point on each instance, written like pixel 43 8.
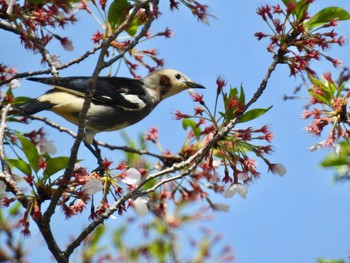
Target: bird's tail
pixel 34 106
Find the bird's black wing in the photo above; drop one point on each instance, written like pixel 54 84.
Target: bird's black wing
pixel 126 93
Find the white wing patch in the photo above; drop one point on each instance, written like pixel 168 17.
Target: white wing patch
pixel 134 99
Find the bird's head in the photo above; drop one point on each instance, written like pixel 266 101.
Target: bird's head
pixel 168 82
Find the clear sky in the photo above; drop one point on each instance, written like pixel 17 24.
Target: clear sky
pixel 296 218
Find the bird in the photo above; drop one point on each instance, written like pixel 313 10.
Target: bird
pixel 118 102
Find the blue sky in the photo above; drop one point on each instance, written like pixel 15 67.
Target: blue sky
pixel 296 218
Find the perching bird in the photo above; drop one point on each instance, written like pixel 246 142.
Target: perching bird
pixel 117 102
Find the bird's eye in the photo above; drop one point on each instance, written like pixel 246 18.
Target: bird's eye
pixel 177 76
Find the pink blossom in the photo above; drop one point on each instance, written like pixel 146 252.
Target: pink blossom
pixel 67 43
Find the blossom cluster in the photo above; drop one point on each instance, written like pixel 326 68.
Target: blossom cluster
pixel 231 160
pixel 297 38
pixel 327 108
pixel 198 10
pixel 37 17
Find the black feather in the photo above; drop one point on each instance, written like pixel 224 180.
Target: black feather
pixel 108 89
pixel 34 106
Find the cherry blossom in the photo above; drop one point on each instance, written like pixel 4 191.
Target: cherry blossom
pixel 236 188
pixel 93 186
pixel 140 206
pixel 278 168
pixel 132 177
pixel 45 146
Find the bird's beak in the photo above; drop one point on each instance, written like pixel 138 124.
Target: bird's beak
pixel 194 85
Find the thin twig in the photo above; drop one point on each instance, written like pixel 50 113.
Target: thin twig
pixel 5 175
pixel 52 124
pixel 5 111
pixel 263 84
pixel 47 71
pixel 164 158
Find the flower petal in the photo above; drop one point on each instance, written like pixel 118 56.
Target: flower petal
pixel 132 177
pixel 140 206
pixel 92 186
pixel 235 188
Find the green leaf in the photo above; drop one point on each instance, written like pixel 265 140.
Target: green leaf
pixel 321 260
pixel 188 123
pixel 15 209
pixel 315 81
pixel 118 237
pixel 30 152
pixel 233 94
pixel 117 12
pixel 160 249
pixel 285 2
pixel 191 123
pixel 20 165
pixel 300 7
pixel 54 165
pixel 242 96
pixel 332 89
pixel 21 100
pixel 326 15
pixel 134 25
pixel 340 89
pixel 253 114
pixel 332 160
pixel 328 91
pixel 319 97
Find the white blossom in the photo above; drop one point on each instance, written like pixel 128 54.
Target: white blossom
pixel 220 207
pixel 140 206
pixel 45 146
pixel 316 147
pixel 326 143
pixel 278 168
pixel 235 188
pixel 93 186
pixel 216 163
pixel 336 149
pixel 10 4
pixel 132 177
pixel 243 176
pixel 14 84
pixel 56 61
